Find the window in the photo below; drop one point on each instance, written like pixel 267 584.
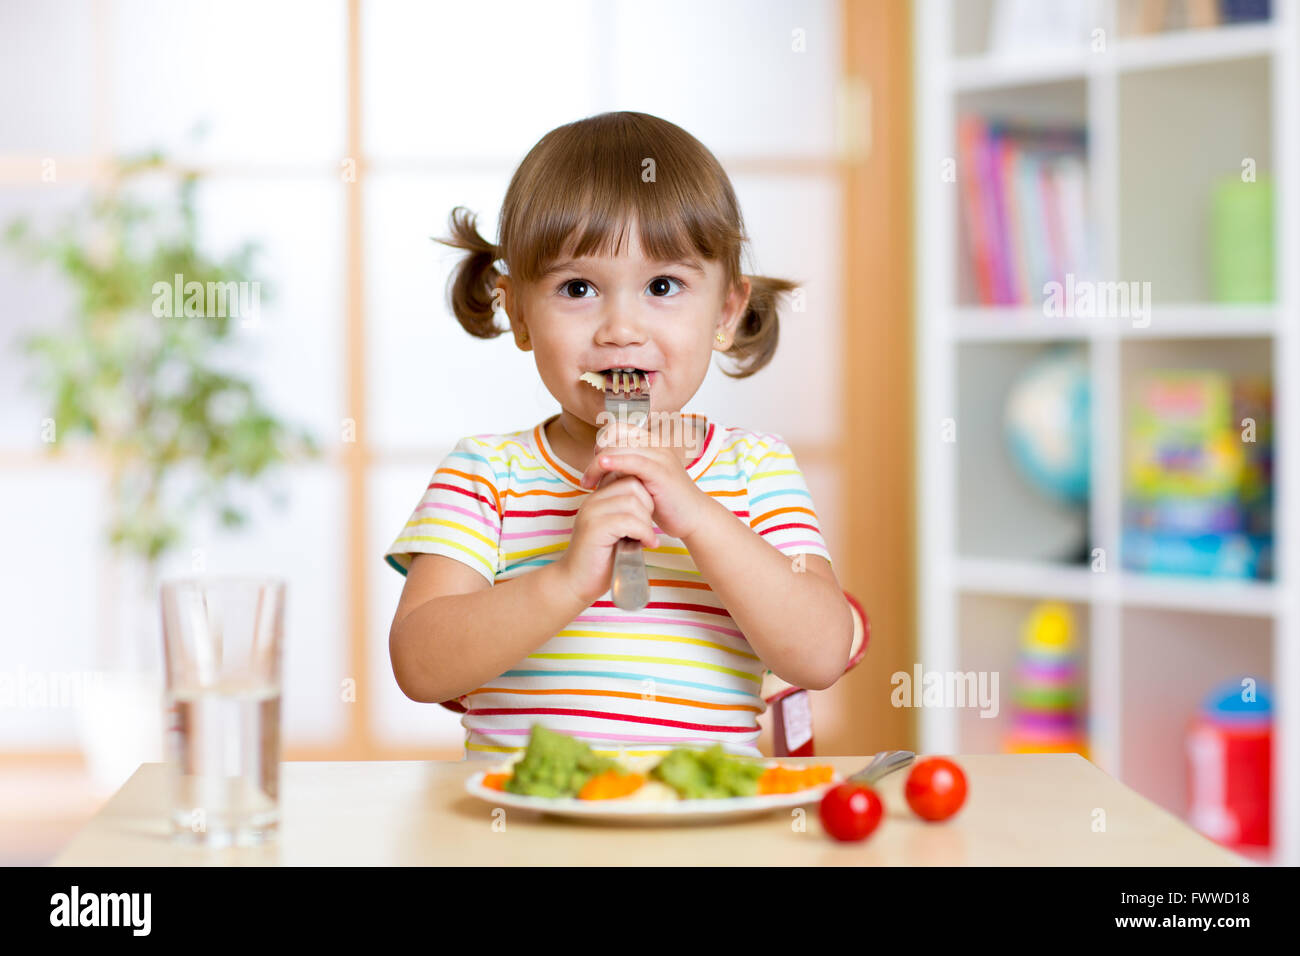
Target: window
pixel 340 135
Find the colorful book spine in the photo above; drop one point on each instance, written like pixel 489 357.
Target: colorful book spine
pixel 1072 176
pixel 970 134
pixel 1057 254
pixel 1003 278
pixel 1014 224
pixel 1034 228
pixel 1024 201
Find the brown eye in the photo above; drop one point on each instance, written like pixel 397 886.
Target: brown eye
pixel 662 286
pixel 576 288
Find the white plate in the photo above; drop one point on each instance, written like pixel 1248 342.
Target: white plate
pixel 670 812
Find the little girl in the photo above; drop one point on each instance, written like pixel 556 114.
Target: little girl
pixel 621 239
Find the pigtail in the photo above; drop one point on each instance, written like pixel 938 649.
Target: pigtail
pixel 470 287
pixel 758 328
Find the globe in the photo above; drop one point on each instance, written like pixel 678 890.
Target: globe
pixel 1047 425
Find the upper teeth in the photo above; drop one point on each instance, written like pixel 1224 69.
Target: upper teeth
pixel 622 379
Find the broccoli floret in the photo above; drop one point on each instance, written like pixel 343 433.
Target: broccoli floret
pixel 555 765
pixel 704 774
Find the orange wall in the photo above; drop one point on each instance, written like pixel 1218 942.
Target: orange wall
pixel 855 716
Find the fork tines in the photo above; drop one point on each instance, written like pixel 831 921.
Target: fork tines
pixel 624 381
pixel 627 396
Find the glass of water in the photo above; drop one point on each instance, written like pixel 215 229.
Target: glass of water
pixel 223 644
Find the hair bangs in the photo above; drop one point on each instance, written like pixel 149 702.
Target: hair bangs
pixel 590 187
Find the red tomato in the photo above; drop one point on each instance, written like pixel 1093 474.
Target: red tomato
pixel 936 788
pixel 850 811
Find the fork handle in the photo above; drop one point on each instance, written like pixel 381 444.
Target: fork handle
pixel 885 762
pixel 628 584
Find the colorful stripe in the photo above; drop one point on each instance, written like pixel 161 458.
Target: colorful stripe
pixel 679 671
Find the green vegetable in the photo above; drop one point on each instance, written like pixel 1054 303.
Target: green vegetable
pixel 711 773
pixel 555 765
pixel 157 393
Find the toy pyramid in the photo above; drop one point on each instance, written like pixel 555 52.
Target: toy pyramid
pixel 1047 696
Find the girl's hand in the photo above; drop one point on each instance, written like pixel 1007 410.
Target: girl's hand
pixel 621 509
pixel 678 503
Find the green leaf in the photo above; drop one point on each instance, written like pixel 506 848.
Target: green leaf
pixel 101 373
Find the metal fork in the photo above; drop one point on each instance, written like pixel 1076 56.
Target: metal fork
pixel 885 762
pixel 627 398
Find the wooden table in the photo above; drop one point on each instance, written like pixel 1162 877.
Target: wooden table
pixel 1021 810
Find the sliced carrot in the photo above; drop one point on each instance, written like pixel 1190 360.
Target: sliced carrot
pixel 610 785
pixel 495 781
pixel 793 779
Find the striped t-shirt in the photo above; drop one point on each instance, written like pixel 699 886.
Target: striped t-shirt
pixel 678 671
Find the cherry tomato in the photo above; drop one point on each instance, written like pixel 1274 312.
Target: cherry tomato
pixel 936 788
pixel 850 811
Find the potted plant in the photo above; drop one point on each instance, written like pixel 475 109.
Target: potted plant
pixel 141 371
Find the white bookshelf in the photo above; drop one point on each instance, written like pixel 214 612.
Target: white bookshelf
pixel 1164 113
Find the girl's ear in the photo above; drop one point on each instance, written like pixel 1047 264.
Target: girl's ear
pixel 503 298
pixel 733 308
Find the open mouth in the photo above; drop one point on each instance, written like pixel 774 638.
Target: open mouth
pixel 596 379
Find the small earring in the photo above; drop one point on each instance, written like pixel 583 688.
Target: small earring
pixel 720 339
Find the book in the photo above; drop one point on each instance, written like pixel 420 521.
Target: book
pixel 1024 208
pixel 978 229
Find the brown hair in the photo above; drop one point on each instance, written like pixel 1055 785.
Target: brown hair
pixel 582 183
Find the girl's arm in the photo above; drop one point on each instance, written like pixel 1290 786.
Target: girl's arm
pixel 796 620
pixel 453 632
pixel 794 615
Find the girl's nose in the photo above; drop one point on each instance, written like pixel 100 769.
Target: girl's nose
pixel 620 324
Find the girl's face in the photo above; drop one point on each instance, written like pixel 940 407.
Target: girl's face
pixel 602 312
